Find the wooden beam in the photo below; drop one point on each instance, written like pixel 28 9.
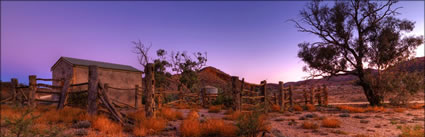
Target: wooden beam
pixel 280 97
pixel 63 93
pixel 150 90
pixel 92 90
pixel 33 89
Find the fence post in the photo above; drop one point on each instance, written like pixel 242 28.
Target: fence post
pixel 136 93
pixel 266 100
pixel 291 100
pixel 203 97
pixel 14 83
pixel 63 94
pixel 33 89
pixel 319 98
pixel 280 97
pixel 150 91
pixel 305 96
pixel 240 94
pixel 325 95
pixel 312 95
pixel 92 90
pixel 236 96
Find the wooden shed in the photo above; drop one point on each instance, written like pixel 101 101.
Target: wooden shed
pixel 116 75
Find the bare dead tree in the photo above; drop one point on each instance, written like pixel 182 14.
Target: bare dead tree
pixel 142 51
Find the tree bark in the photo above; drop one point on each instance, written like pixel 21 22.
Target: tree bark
pixel 373 98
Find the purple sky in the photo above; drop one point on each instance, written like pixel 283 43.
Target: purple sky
pixel 246 38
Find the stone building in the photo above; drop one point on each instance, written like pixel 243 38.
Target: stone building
pixel 116 75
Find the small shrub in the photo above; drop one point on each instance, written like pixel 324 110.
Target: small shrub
pixel 190 128
pixel 193 115
pixel 417 131
pixel 352 109
pixel 217 128
pixel 298 108
pixel 416 106
pixel 276 108
pixel 105 125
pixel 22 124
pixel 251 124
pixel 310 107
pixel 310 125
pixel 149 126
pixel 331 123
pixel 171 114
pixel 233 116
pixel 214 109
pixel 399 110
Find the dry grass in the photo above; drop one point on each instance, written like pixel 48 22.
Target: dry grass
pixel 310 125
pixel 66 115
pixel 193 115
pixel 310 107
pixel 105 125
pixel 218 127
pixel 331 123
pixel 190 128
pixel 149 126
pixel 399 110
pixel 228 111
pixel 138 115
pixel 416 106
pixel 298 108
pixel 171 114
pixel 233 116
pixel 417 131
pixel 276 108
pixel 375 109
pixel 352 109
pixel 214 109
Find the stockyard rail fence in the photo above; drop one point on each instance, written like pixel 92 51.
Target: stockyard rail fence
pixel 242 95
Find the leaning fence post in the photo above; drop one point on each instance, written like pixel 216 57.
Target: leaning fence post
pixel 150 90
pixel 325 95
pixel 14 82
pixel 266 100
pixel 280 97
pixel 92 90
pixel 136 93
pixel 291 99
pixel 63 94
pixel 33 89
pixel 312 95
pixel 235 91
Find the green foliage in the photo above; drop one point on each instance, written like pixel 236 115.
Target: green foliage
pixel 251 124
pixel 223 99
pixel 22 125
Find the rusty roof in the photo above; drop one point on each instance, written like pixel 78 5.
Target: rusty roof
pixel 84 62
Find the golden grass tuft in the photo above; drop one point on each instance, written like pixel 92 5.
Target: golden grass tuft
pixel 331 123
pixel 399 110
pixel 193 115
pixel 310 107
pixel 66 115
pixel 233 116
pixel 352 109
pixel 309 125
pixel 218 127
pixel 416 106
pixel 214 109
pixel 149 126
pixel 298 108
pixel 105 125
pixel 182 106
pixel 276 108
pixel 190 128
pixel 171 114
pixel 228 111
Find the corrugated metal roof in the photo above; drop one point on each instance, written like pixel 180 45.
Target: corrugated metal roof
pixel 84 62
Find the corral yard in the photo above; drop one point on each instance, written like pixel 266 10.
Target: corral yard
pixel 192 120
